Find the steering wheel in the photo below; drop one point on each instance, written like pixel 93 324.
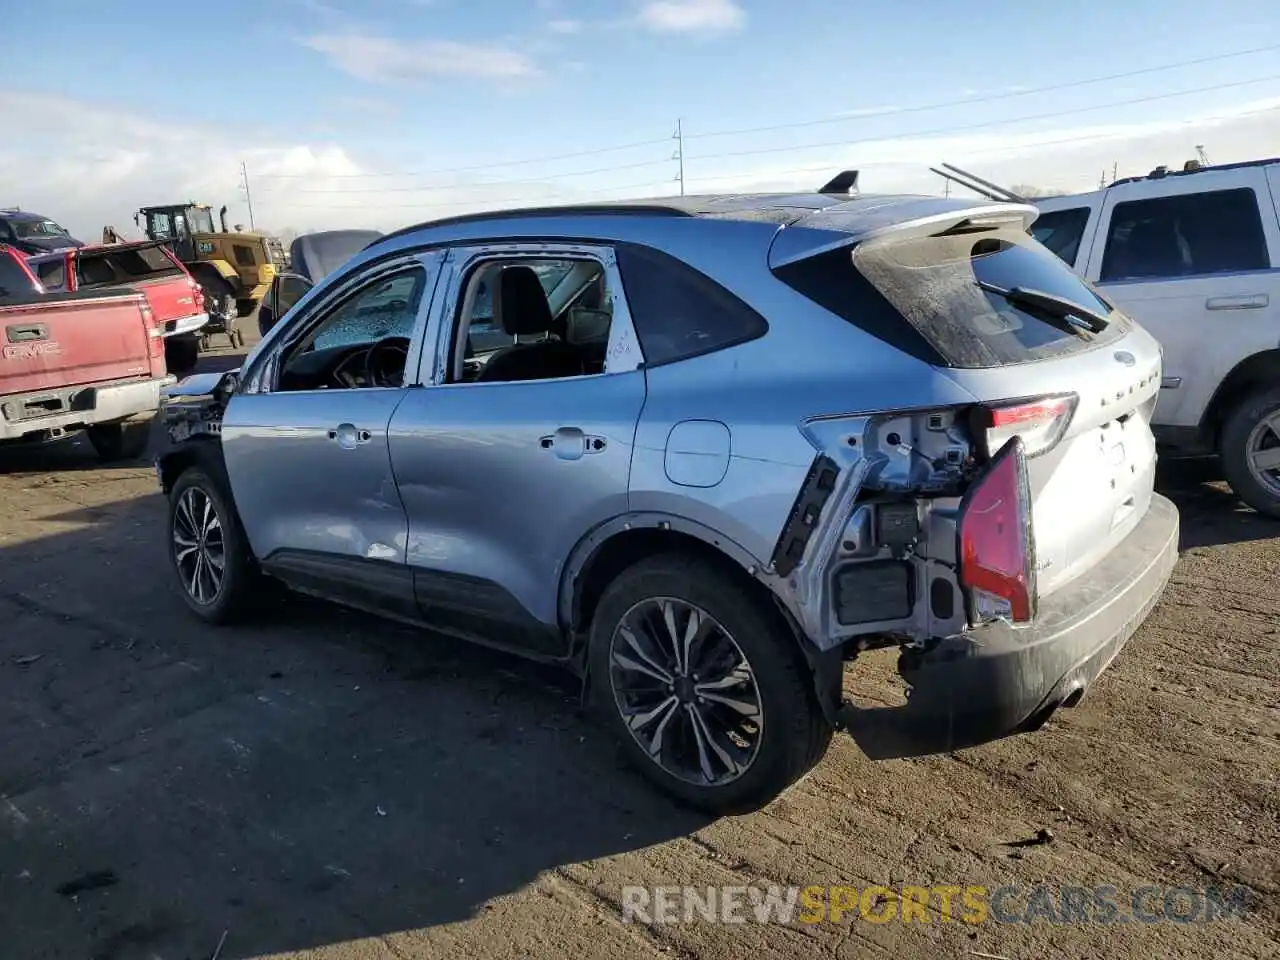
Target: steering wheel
pixel 385 362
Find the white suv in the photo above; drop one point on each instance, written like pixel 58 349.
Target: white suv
pixel 1194 256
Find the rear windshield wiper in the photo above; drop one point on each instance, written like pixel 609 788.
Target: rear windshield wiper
pixel 1056 308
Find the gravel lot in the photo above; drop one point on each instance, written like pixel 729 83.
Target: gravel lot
pixel 327 785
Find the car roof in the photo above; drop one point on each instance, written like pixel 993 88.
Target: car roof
pixel 849 216
pixel 22 215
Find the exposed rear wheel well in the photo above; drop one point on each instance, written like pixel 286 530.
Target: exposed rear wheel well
pixel 625 549
pixel 630 547
pixel 205 454
pixel 1259 370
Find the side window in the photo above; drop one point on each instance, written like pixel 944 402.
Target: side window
pixel 14 281
pixel 53 274
pixel 536 318
pixel 1061 231
pixel 161 226
pixel 1188 235
pixel 363 341
pixel 679 312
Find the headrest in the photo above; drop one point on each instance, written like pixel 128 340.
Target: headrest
pixel 521 307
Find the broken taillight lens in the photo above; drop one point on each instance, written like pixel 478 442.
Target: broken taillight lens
pixel 996 540
pixel 1039 423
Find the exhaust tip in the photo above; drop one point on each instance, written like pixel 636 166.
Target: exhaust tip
pixel 1074 697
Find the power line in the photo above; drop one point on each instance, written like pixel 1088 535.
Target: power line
pixel 960 128
pixel 1006 95
pixel 679 157
pixel 826 168
pixel 919 108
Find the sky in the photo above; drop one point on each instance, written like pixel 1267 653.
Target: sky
pixel 388 112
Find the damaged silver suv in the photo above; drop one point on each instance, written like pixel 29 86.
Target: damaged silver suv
pixel 704 452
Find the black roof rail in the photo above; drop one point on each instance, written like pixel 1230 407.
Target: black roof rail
pixel 842 184
pixel 1161 172
pixel 654 209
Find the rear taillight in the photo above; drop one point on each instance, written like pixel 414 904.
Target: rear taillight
pixel 1039 423
pixel 996 540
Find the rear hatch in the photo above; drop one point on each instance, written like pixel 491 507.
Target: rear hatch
pixel 145 267
pixel 68 339
pixel 1050 360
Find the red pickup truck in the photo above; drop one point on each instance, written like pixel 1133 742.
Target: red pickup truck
pixel 70 361
pixel 147 266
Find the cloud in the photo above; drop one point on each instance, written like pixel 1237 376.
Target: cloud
pixel 1065 159
pixel 384 60
pixel 565 26
pixel 90 164
pixel 692 16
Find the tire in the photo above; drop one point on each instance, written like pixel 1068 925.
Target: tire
pixel 181 354
pixel 241 587
pixel 120 441
pixel 1251 433
pixel 791 734
pixel 236 336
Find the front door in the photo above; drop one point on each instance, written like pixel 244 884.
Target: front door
pixel 308 457
pixel 520 448
pixel 1193 265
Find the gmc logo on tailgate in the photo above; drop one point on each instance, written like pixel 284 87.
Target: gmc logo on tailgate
pixel 32 351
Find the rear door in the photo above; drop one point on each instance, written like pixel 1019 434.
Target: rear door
pixel 1192 258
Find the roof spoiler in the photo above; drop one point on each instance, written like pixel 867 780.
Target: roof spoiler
pixel 971 181
pixel 843 184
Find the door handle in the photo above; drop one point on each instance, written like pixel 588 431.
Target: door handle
pixel 1254 301
pixel 348 436
pixel 570 443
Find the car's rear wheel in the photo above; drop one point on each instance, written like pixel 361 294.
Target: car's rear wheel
pixel 1251 451
pixel 704 685
pixel 208 550
pixel 120 441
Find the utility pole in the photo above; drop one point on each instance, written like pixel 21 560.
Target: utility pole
pixel 244 172
pixel 1102 181
pixel 678 137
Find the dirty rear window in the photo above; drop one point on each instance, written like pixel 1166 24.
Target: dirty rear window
pixel 922 295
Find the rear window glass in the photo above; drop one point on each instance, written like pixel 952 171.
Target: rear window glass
pixel 923 296
pixel 53 273
pixel 1061 231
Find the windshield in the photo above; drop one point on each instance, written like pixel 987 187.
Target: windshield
pixel 200 220
pixel 37 229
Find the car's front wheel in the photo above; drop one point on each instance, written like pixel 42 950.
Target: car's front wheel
pixel 704 685
pixel 208 551
pixel 1251 451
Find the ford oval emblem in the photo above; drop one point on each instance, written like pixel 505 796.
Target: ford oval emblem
pixel 1123 356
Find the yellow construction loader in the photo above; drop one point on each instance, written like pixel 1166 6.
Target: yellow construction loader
pixel 234 267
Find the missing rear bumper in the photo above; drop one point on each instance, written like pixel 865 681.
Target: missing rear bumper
pixel 999 680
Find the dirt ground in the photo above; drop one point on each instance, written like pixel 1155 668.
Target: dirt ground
pixel 327 785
